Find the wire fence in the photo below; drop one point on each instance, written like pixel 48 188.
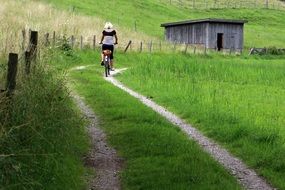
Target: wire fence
pixel 221 4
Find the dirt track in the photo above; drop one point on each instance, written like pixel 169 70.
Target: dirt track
pixel 101 158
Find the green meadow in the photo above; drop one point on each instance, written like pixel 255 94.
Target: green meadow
pixel 156 154
pixel 238 101
pixel 264 27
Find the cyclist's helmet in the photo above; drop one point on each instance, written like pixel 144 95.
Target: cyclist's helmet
pixel 108 25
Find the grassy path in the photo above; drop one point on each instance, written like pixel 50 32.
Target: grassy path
pixel 156 154
pixel 102 159
pixel 247 177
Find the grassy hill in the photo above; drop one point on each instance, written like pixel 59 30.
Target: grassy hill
pixel 264 27
pixel 227 101
pixel 227 96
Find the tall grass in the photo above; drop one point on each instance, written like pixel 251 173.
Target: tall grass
pixel 28 14
pixel 237 101
pixel 42 135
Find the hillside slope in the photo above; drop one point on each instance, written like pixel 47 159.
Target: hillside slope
pixel 264 27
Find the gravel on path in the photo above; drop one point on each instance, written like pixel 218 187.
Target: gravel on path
pixel 102 158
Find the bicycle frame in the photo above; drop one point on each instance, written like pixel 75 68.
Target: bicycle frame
pixel 107 61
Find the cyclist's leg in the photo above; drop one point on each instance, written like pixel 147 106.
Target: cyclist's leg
pixel 104 47
pixel 112 57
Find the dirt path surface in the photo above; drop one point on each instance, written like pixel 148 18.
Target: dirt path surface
pixel 247 177
pixel 101 158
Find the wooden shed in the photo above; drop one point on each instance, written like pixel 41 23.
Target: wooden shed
pixel 212 33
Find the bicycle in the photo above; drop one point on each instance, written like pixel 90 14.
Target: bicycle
pixel 107 61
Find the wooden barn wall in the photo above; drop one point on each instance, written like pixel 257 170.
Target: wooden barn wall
pixel 232 35
pixel 206 34
pixel 191 34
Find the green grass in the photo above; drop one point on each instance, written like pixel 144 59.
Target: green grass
pixel 264 27
pixel 238 101
pixel 156 154
pixel 42 135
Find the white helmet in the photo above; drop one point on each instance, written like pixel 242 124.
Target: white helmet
pixel 108 25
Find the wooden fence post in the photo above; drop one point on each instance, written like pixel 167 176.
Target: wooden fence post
pixel 12 73
pixel 160 46
pixel 150 46
pixel 27 62
pixel 33 44
pixel 126 49
pixel 81 42
pixel 72 41
pixel 47 39
pixel 140 47
pixel 24 39
pixel 194 51
pixel 53 38
pixel 94 42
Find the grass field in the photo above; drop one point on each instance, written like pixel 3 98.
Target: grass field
pixel 156 154
pixel 239 101
pixel 264 27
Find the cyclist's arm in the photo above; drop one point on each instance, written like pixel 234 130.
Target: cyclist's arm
pixel 102 38
pixel 116 39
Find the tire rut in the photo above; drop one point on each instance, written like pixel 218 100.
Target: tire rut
pixel 102 158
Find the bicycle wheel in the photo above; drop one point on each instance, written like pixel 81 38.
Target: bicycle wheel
pixel 107 66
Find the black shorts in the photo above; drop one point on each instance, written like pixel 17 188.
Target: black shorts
pixel 109 47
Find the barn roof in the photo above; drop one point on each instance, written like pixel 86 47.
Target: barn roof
pixel 210 20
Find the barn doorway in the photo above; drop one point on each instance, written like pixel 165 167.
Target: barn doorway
pixel 220 41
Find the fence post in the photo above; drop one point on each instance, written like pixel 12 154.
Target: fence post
pixel 12 73
pixel 126 49
pixel 72 41
pixel 141 44
pixel 194 51
pixel 24 39
pixel 47 39
pixel 81 42
pixel 150 46
pixel 205 50
pixel 33 44
pixel 27 62
pixel 53 38
pixel 160 46
pixel 94 42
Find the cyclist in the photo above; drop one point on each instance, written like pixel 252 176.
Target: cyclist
pixel 107 40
